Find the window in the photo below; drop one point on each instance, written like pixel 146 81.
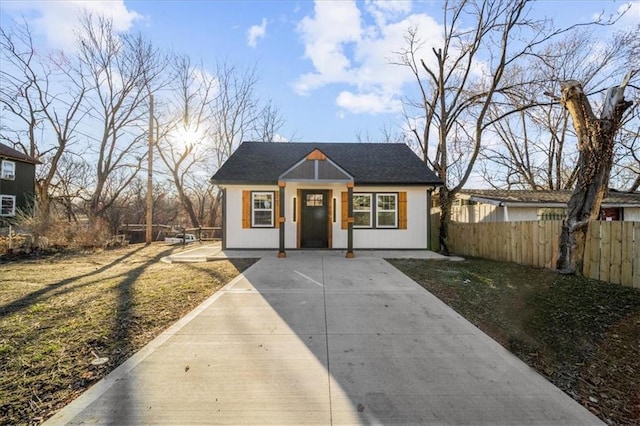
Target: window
pixel 7 205
pixel 362 210
pixel 387 210
pixel 262 209
pixel 8 171
pixel 314 200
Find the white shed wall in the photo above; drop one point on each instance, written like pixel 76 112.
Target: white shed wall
pixel 632 214
pixel 522 213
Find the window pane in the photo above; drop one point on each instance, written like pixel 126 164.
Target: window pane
pixel 362 219
pixel 262 201
pixel 386 202
pixel 262 218
pixel 6 206
pixel 314 200
pixel 8 170
pixel 362 202
pixel 387 219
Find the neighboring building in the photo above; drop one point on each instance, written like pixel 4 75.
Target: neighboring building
pixel 487 205
pixel 17 181
pixel 299 195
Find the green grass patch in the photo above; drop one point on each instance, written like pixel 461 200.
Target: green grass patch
pixel 583 335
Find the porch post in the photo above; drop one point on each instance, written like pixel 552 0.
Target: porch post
pixel 281 186
pixel 224 219
pixel 429 219
pixel 350 220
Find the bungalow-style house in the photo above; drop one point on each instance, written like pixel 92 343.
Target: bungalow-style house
pixel 488 205
pixel 17 181
pixel 325 195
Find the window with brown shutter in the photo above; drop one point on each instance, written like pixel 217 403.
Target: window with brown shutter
pixel 344 210
pixel 246 209
pixel 260 209
pixel 402 210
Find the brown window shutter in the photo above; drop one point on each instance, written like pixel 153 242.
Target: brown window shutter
pixel 276 210
pixel 344 210
pixel 246 209
pixel 402 210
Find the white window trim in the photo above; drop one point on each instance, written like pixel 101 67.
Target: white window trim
pixel 379 210
pixel 13 210
pixel 370 210
pixel 253 209
pixel 4 172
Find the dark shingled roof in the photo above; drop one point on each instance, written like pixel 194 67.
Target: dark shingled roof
pixel 368 163
pixel 546 196
pixel 12 154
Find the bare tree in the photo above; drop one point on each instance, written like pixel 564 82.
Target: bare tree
pixel 596 140
pixel 461 87
pixel 182 136
pixel 538 148
pixel 121 71
pixel 73 181
pixel 40 96
pixel 627 170
pixel 268 124
pixel 455 97
pixel 235 109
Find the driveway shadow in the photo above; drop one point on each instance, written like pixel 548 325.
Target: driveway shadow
pixel 43 293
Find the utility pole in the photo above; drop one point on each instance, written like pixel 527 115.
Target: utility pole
pixel 150 175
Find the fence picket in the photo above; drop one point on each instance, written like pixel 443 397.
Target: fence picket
pixel 615 262
pixel 605 250
pixel 626 254
pixel 534 244
pixel 612 249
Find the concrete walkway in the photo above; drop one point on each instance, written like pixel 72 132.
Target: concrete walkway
pixel 319 339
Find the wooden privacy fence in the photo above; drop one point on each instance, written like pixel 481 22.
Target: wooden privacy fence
pixel 612 251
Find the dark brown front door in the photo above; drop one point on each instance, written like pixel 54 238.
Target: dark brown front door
pixel 315 219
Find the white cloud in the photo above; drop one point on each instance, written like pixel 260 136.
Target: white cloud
pixel 256 32
pixel 347 45
pixel 335 25
pixel 368 103
pixel 56 20
pixel 632 13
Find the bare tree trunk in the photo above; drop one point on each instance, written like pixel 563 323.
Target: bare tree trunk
pixel 446 199
pixel 595 144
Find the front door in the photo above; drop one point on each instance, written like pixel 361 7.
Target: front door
pixel 315 219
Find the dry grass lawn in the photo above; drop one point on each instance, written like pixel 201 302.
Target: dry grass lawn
pixel 583 335
pixel 57 314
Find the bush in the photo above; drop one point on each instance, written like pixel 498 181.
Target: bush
pixel 59 232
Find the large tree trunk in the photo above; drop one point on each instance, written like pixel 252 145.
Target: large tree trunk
pixel 446 199
pixel 595 144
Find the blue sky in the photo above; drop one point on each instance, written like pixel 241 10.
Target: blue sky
pixel 324 64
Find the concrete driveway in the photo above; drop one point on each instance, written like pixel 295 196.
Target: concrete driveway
pixel 319 339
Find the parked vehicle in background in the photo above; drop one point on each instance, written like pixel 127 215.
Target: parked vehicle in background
pixel 181 238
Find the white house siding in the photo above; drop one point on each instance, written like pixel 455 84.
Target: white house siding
pixel 632 214
pixel 517 214
pixel 477 213
pixel 250 238
pixel 414 237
